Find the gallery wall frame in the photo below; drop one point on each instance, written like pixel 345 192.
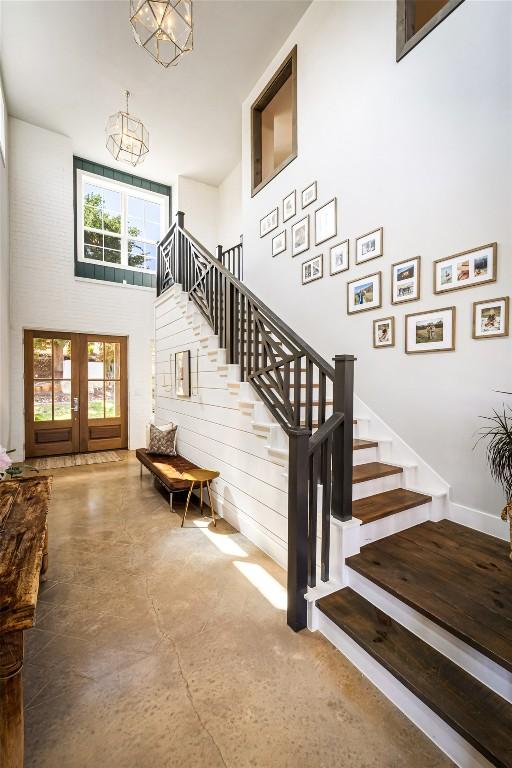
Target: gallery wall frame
pixel 381 341
pixel 300 236
pixel 369 246
pixel 182 373
pixel 436 334
pixel 491 318
pixel 269 222
pixel 466 269
pixel 339 257
pixel 364 293
pixel 326 222
pixel 279 243
pixel 290 206
pixel 312 269
pixel 309 194
pixel 400 274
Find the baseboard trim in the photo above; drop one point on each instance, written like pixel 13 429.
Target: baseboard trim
pixel 484 522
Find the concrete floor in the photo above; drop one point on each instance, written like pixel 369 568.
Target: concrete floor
pixel 159 646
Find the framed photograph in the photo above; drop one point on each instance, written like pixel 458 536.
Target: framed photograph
pixel 309 195
pixel 313 269
pixel 269 222
pixel 432 331
pixel 300 236
pixel 289 206
pixel 364 293
pixel 339 257
pixel 182 373
pixel 384 332
pixel 463 270
pixel 369 246
pixel 405 281
pixel 490 318
pixel 325 222
pixel 279 243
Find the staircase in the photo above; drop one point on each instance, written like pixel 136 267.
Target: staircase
pixel 417 602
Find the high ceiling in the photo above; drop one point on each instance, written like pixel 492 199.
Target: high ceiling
pixel 66 65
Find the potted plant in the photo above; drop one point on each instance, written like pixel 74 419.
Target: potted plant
pixel 499 456
pixel 7 468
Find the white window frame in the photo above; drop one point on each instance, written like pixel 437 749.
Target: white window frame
pixel 82 177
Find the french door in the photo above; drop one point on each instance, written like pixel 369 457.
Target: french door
pixel 76 393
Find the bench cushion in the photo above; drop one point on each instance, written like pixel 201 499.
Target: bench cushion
pixel 168 469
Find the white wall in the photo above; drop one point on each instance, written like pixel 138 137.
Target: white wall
pixel 45 294
pixel 230 208
pixel 422 148
pixel 199 202
pixel 4 310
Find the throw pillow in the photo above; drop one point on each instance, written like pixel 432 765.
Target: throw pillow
pixel 162 441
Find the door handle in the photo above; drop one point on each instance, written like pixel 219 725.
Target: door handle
pixel 75 404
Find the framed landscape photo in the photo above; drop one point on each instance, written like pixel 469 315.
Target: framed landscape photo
pixel 490 318
pixel 279 243
pixel 369 246
pixel 384 332
pixel 405 281
pixel 432 331
pixel 289 206
pixel 300 236
pixel 308 195
pixel 466 269
pixel 182 373
pixel 364 293
pixel 313 269
pixel 269 222
pixel 339 257
pixel 325 222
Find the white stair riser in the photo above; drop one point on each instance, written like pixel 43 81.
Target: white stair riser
pixel 381 484
pixel 400 521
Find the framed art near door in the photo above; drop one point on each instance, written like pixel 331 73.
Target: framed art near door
pixel 76 393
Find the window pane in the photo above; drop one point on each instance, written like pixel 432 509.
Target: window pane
pixel 92 238
pixel 112 201
pixel 111 222
pixel 95 360
pixel 112 405
pixel 93 252
pixel 62 400
pixel 135 227
pixel 135 207
pixel 113 257
pixel 61 359
pixel 112 356
pixel 111 241
pixel 95 400
pixel 93 217
pixel 152 212
pixel 152 231
pixel 42 358
pixel 42 401
pixel 136 253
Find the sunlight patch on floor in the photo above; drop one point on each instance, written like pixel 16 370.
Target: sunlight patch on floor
pixel 222 541
pixel 269 587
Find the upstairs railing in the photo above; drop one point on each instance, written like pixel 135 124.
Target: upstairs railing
pixel 233 259
pixel 294 382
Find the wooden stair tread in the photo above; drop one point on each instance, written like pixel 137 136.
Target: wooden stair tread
pixel 373 470
pixel 360 445
pixel 478 714
pixel 456 577
pixel 387 503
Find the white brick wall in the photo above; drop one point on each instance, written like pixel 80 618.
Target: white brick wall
pixel 44 292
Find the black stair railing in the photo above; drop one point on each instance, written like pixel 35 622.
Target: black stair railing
pixel 294 383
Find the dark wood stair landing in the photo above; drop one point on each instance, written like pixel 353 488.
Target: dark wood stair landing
pixel 371 508
pixel 457 577
pixel 478 714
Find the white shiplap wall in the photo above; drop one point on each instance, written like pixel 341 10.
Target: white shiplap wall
pixel 215 431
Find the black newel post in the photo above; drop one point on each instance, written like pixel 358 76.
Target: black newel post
pixel 178 245
pixel 343 438
pixel 297 528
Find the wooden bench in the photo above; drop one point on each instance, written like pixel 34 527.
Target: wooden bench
pixel 168 470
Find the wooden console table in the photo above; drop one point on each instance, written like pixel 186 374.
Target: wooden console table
pixel 23 557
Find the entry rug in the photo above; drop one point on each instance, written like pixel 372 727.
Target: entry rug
pixel 75 460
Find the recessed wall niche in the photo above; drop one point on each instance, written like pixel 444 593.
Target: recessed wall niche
pixel 274 124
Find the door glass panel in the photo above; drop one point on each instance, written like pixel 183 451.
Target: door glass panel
pixel 112 360
pixel 43 400
pixel 61 400
pixel 112 404
pixel 61 359
pixel 95 360
pixel 42 358
pixel 95 400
